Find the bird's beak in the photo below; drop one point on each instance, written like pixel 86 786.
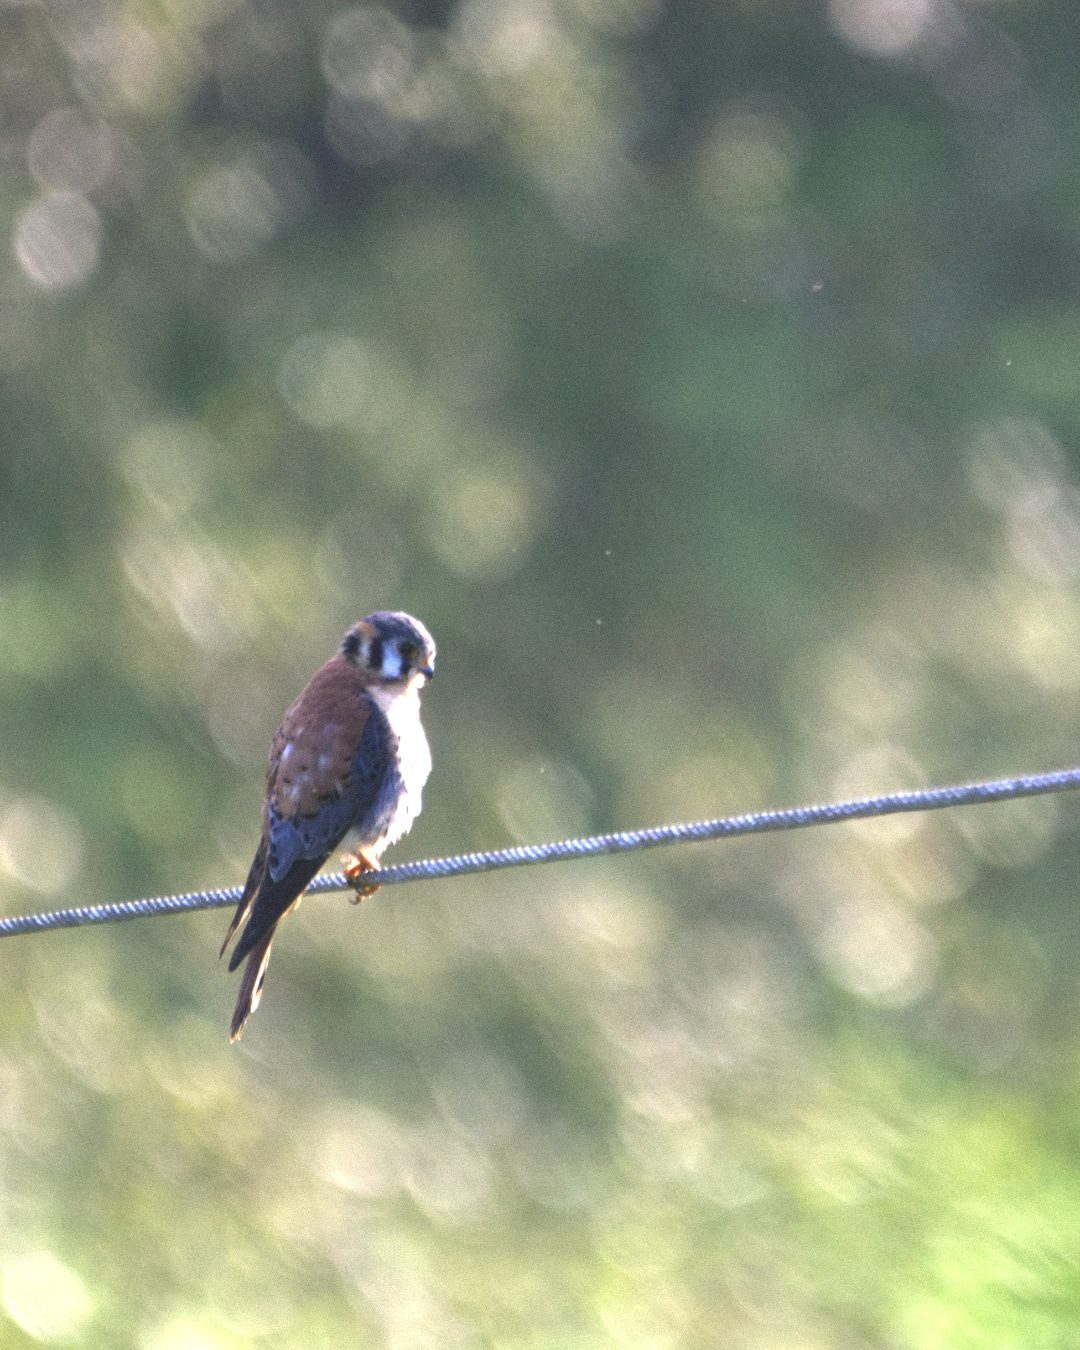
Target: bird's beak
pixel 428 672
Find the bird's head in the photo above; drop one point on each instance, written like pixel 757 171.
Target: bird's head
pixel 392 648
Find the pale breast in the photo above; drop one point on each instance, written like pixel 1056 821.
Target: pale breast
pixel 402 712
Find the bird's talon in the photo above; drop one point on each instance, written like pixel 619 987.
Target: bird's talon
pixel 354 869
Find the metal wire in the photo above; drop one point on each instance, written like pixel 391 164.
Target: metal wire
pixel 622 841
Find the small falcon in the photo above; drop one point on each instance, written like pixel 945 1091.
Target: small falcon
pixel 350 758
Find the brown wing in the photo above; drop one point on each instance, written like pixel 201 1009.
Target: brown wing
pixel 311 759
pixel 328 763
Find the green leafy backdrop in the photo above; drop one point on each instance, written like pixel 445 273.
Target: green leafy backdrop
pixel 705 376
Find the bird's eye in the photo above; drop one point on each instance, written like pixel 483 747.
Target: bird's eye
pixel 410 651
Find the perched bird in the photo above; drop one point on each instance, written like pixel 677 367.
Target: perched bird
pixel 349 758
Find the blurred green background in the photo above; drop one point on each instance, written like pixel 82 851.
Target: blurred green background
pixel 707 377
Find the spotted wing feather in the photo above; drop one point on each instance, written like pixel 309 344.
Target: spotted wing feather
pixel 331 771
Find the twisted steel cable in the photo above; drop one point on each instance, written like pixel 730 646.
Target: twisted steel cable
pixel 560 850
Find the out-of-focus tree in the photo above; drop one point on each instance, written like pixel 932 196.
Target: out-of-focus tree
pixel 705 376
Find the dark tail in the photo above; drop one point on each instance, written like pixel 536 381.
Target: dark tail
pixel 251 889
pixel 251 985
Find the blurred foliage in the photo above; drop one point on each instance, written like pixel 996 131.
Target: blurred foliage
pixel 705 376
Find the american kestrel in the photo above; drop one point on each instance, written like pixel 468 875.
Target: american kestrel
pixel 349 758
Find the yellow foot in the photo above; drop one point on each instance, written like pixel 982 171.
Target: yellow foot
pixel 354 869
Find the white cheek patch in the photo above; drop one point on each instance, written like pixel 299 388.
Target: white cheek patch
pixel 392 665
